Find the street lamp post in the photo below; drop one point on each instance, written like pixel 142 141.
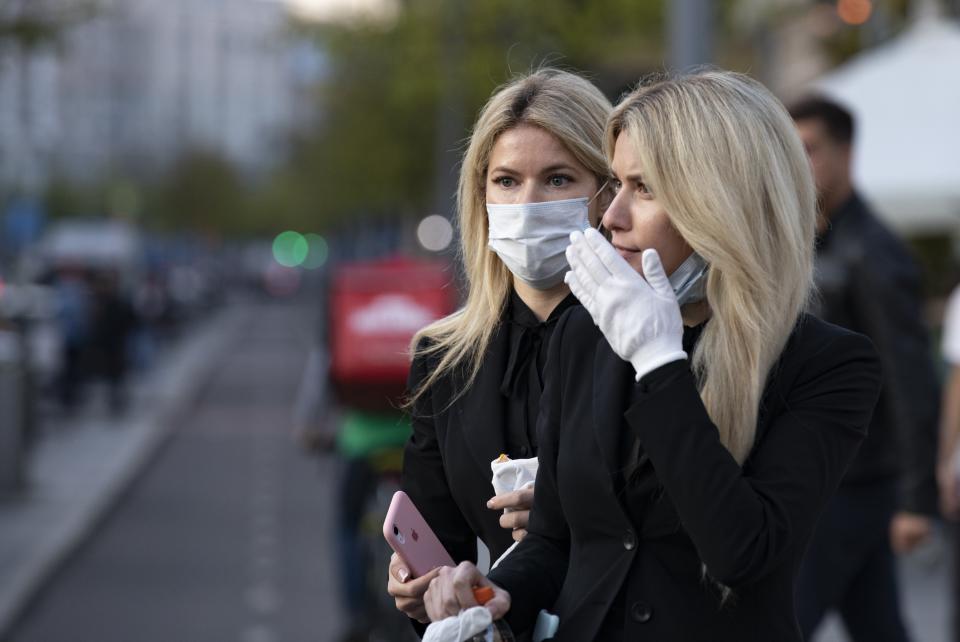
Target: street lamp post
pixel 690 31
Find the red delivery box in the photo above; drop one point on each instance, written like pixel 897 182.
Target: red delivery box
pixel 376 308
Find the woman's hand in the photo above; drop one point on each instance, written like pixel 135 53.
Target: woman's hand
pixel 516 510
pixel 408 593
pixel 638 315
pixel 451 591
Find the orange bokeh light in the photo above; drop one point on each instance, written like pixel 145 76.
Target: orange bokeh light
pixel 854 12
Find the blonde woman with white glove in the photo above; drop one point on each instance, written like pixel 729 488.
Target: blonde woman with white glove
pixel 694 420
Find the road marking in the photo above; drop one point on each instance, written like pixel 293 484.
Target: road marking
pixel 263 598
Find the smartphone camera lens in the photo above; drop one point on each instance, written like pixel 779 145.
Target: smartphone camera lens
pixel 396 531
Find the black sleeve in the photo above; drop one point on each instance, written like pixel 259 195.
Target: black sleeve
pixel 424 477
pixel 890 312
pixel 746 522
pixel 534 572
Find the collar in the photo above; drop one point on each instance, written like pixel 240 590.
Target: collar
pixel 525 345
pixel 520 314
pixel 851 205
pixel 691 335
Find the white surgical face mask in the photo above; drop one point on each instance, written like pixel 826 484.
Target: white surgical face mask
pixel 689 280
pixel 531 238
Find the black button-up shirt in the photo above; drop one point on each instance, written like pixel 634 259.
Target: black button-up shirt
pixel 523 380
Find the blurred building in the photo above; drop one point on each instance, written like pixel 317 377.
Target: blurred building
pixel 142 81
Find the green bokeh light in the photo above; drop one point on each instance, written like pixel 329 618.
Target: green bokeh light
pixel 317 253
pixel 290 248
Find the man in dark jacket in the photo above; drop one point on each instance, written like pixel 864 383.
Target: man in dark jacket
pixel 869 283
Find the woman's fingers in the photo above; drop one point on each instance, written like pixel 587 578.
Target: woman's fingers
pixel 398 569
pixel 516 500
pixel 518 534
pixel 515 519
pixel 413 608
pixel 452 591
pixel 499 604
pixel 465 578
pixel 516 506
pixel 414 588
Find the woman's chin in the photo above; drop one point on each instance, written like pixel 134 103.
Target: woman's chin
pixel 633 257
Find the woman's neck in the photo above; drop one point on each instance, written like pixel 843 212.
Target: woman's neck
pixel 541 302
pixel 694 314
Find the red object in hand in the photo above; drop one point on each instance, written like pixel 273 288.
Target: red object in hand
pixel 482 594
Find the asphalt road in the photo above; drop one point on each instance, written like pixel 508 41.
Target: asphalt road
pixel 227 535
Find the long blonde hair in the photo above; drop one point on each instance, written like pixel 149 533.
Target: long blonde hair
pixel 574 111
pixel 722 156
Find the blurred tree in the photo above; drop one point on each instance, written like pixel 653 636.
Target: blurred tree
pixel 401 96
pixel 63 199
pixel 203 193
pixel 33 23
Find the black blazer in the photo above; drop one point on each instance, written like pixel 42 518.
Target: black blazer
pixel 446 464
pixel 746 528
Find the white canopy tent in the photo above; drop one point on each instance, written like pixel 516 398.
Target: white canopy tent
pixel 905 96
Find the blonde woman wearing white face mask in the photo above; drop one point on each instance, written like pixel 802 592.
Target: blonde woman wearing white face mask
pixel 533 173
pixel 692 427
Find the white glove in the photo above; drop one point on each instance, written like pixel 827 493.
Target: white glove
pixel 637 314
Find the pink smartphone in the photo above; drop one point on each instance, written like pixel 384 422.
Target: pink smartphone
pixel 411 538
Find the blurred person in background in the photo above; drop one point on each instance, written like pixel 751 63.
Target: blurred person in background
pixel 348 405
pixel 74 310
pixel 151 306
pixel 113 324
pixel 534 171
pixel 868 282
pixel 948 462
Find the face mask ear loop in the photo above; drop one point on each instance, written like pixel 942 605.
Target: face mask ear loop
pixel 600 227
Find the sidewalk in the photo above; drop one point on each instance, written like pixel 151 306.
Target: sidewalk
pixel 79 469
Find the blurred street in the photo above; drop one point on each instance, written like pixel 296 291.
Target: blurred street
pixel 224 537
pixel 223 222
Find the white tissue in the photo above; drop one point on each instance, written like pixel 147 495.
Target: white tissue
pixel 509 476
pixel 460 628
pixel 513 474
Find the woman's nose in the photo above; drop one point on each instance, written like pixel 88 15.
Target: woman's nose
pixel 617 216
pixel 530 194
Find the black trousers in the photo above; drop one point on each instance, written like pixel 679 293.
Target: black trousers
pixel 851 568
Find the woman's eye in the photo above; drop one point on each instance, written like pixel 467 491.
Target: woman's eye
pixel 505 181
pixel 615 185
pixel 559 180
pixel 642 188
